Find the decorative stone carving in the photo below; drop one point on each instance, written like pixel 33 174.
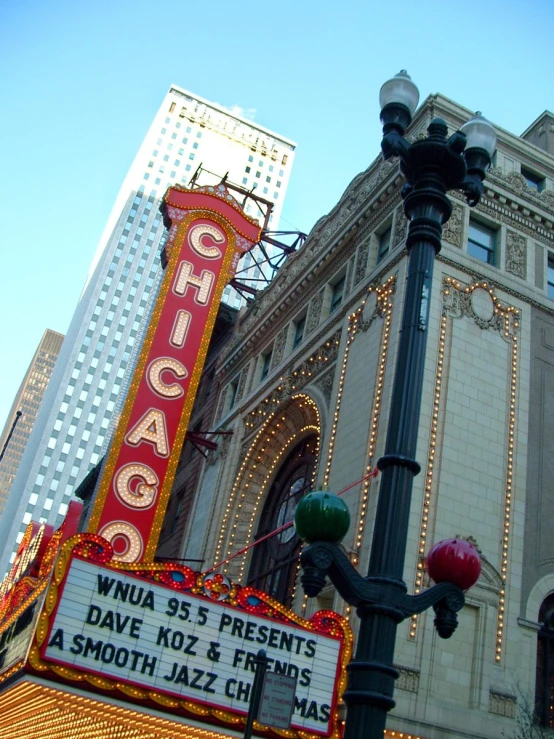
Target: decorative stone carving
pixel 478 301
pixel 516 254
pixel 348 276
pixel 453 229
pixel 517 183
pixel 400 228
pixel 408 679
pixel 361 262
pixel 279 347
pixel 314 312
pixel 325 384
pixel 223 444
pixel 221 404
pixel 295 380
pixel 502 704
pixel 242 383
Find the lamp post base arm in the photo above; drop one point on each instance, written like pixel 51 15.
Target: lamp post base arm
pixel 446 598
pixel 377 595
pixel 324 558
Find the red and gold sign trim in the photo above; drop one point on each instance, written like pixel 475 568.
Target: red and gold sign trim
pixel 225 274
pixel 95 549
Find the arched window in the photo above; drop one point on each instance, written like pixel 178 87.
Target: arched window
pixel 544 690
pixel 274 562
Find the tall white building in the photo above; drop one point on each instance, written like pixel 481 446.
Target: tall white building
pixel 73 421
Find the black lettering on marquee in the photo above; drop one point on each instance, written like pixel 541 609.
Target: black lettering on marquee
pixel 125 591
pixel 78 641
pixel 192 641
pixel 57 639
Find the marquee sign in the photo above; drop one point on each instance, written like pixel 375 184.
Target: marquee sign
pixel 166 635
pixel 23 588
pixel 208 232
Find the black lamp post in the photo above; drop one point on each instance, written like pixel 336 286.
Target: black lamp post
pixel 431 167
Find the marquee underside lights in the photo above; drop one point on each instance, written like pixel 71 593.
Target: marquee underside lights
pixel 208 233
pixel 163 635
pixel 85 717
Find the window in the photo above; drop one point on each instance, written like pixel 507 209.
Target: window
pixel 274 562
pixel 534 181
pixel 481 243
pixel 544 686
pixel 336 295
pixel 266 364
pixel 299 327
pixel 233 390
pixel 172 107
pixel 550 276
pixel 384 244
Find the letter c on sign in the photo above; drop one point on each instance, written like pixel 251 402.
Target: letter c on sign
pixel 155 381
pixel 196 234
pixel 146 490
pixel 120 533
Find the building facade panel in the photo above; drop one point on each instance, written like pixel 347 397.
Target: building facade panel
pixel 483 439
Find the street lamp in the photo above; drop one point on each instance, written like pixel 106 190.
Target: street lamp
pixel 431 167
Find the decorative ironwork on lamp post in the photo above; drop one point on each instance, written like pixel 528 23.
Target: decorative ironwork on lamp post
pixel 431 167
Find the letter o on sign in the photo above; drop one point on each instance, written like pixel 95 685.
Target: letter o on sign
pixel 125 540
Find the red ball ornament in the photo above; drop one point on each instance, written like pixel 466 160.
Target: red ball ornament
pixel 456 561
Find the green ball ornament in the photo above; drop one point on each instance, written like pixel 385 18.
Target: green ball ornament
pixel 321 516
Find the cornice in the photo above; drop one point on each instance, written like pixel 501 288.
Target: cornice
pixel 332 241
pixel 365 202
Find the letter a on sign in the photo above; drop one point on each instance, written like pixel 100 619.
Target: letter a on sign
pixel 208 232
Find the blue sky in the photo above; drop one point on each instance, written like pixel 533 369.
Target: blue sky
pixel 81 82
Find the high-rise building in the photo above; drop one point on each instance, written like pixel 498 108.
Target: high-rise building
pixel 23 412
pixel 189 136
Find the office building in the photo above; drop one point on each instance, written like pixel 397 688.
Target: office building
pixel 23 412
pixel 73 423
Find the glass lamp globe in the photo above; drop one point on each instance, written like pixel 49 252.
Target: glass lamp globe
pixel 480 134
pixel 400 90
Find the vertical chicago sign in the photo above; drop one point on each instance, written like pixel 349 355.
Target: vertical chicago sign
pixel 208 232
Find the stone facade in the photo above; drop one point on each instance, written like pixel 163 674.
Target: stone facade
pixel 483 441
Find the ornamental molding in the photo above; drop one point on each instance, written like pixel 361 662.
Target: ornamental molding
pixel 408 679
pixel 356 196
pixel 475 277
pixel 502 704
pixel 295 379
pixel 362 254
pixel 279 346
pixel 325 385
pixel 400 227
pixel 453 229
pixel 478 301
pixel 222 451
pixel 516 183
pixel 516 254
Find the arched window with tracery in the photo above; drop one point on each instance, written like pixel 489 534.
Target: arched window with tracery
pixel 274 562
pixel 544 690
